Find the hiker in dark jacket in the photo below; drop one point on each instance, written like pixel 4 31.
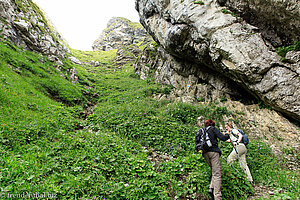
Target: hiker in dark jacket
pixel 212 157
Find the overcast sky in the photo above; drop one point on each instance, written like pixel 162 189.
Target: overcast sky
pixel 81 22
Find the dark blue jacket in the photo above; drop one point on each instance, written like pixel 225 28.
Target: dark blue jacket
pixel 213 134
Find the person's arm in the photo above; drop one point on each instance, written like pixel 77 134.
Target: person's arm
pixel 240 137
pixel 227 132
pixel 220 135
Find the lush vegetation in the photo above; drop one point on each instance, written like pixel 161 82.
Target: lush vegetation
pixel 104 58
pixel 282 51
pixel 225 11
pixel 48 147
pixel 199 2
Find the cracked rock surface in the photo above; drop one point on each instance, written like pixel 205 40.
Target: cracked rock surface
pixel 212 37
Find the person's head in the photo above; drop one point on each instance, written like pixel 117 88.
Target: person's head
pixel 209 122
pixel 228 126
pixel 200 120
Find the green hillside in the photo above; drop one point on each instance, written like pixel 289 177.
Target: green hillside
pixel 130 147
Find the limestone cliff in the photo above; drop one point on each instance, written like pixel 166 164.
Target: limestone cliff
pixel 125 36
pixel 205 42
pixel 277 20
pixel 120 32
pixel 23 23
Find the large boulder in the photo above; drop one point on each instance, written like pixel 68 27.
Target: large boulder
pixel 211 37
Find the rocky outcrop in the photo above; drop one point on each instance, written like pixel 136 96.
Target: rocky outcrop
pixel 127 37
pixel 193 82
pixel 23 23
pixel 277 20
pixel 196 84
pixel 206 37
pixel 121 32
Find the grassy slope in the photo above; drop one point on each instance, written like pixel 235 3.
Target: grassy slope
pixel 45 150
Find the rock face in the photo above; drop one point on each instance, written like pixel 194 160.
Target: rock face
pixel 278 20
pixel 192 81
pixel 23 23
pixel 127 37
pixel 207 38
pixel 120 32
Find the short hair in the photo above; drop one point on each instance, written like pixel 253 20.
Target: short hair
pixel 229 124
pixel 209 122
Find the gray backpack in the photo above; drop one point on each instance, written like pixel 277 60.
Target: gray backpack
pixel 202 139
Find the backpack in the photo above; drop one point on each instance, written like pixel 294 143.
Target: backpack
pixel 245 139
pixel 202 139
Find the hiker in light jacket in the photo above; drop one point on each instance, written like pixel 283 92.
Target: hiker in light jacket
pixel 212 157
pixel 237 140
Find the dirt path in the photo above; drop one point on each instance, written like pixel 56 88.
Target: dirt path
pixel 260 192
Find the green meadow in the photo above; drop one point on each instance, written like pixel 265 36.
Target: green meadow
pixel 130 147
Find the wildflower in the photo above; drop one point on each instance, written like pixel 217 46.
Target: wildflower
pixel 126 185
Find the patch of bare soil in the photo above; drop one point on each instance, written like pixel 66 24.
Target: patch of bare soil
pixel 260 192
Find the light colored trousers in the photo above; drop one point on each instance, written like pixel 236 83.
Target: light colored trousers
pixel 242 150
pixel 213 160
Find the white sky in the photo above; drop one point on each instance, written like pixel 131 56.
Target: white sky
pixel 81 22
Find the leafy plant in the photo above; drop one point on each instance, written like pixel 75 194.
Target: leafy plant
pixel 262 105
pixel 282 51
pixel 223 99
pixel 199 2
pixel 225 11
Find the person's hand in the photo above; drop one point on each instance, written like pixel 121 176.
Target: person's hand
pixel 221 128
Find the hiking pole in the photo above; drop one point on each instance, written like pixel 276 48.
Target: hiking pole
pixel 236 153
pixel 230 163
pixel 235 149
pixel 241 163
pixel 231 166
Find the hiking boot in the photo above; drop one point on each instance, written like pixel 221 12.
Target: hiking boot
pixel 211 193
